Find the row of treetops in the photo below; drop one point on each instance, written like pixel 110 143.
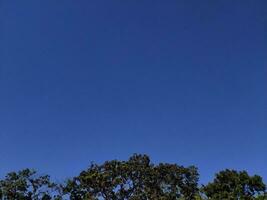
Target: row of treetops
pixel 134 179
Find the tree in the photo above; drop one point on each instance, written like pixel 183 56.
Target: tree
pixel 135 179
pixel 234 185
pixel 27 185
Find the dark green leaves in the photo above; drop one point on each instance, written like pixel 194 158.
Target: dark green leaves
pixel 136 178
pixel 27 185
pixel 231 184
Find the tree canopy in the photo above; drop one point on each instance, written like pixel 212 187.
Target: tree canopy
pixel 232 185
pixel 135 179
pixel 27 185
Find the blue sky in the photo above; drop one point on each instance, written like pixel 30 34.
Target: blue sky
pixel 183 81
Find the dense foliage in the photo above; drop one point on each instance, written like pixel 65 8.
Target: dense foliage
pixel 134 179
pixel 231 184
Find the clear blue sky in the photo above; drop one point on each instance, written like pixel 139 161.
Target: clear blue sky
pixel 183 81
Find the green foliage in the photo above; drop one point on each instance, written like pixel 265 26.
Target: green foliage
pixel 26 185
pixel 234 185
pixel 134 179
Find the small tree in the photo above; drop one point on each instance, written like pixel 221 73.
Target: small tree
pixel 234 185
pixel 27 185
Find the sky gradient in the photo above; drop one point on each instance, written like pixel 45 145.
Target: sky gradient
pixel 183 81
